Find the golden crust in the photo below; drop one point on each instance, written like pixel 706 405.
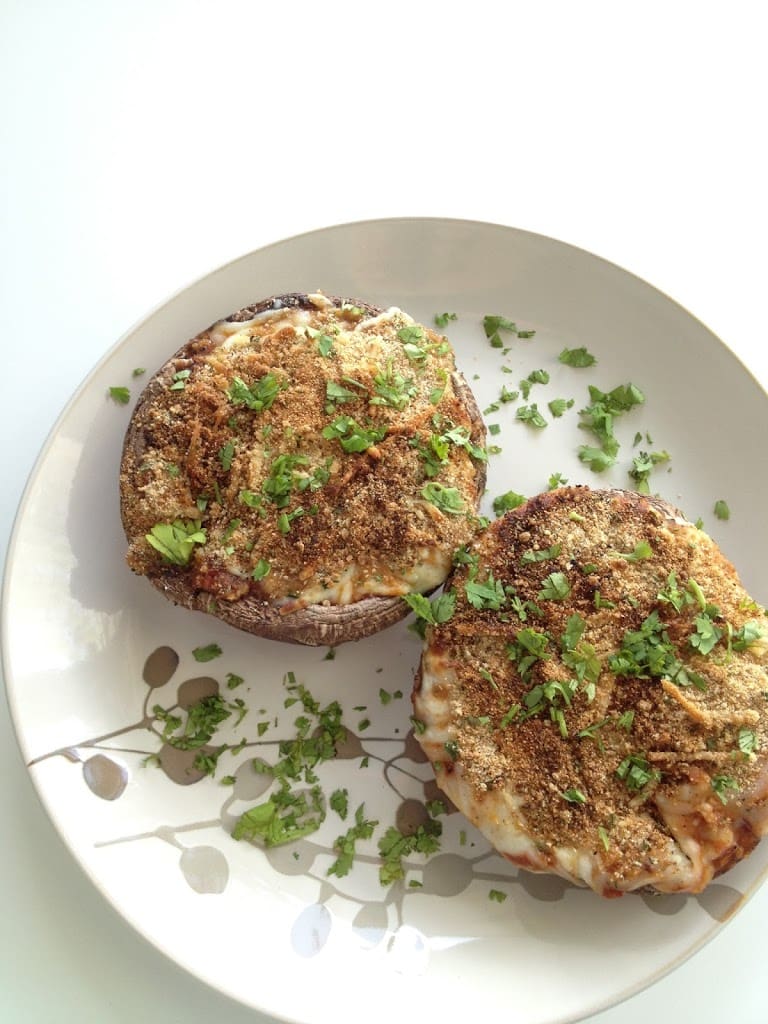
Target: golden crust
pixel 614 774
pixel 343 531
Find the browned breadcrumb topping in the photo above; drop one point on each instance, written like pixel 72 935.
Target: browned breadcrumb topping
pixel 267 485
pixel 698 740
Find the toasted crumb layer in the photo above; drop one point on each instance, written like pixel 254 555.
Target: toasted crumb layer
pixel 598 703
pixel 314 451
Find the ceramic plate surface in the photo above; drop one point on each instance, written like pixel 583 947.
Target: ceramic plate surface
pixel 91 651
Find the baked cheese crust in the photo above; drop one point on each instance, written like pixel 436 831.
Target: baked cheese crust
pixel 597 705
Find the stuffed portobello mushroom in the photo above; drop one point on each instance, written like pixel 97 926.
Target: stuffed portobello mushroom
pixel 300 466
pixel 596 705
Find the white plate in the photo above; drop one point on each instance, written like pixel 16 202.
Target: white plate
pixel 273 930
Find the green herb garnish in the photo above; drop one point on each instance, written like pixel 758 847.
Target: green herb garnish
pixel 344 846
pixel 530 414
pixel 577 357
pixel 504 502
pixel 260 395
pixel 555 587
pixel 636 772
pixel 394 846
pixel 351 436
pixel 261 569
pixel 492 325
pixel 447 499
pixel 226 454
pixel 574 796
pixel 559 406
pixel 642 465
pixel 438 610
pixel 722 785
pixel 176 541
pixel 207 653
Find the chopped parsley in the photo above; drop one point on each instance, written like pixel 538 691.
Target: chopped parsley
pixel 555 587
pixel 441 319
pixel 261 569
pixel 534 377
pixel 259 396
pixel 439 609
pixel 528 648
pixel 488 594
pixel 203 719
pixel 750 633
pixel 722 785
pixel 635 772
pixel 496 896
pixel 721 510
pixel 747 740
pixel 558 480
pixel 394 847
pixel 323 342
pixel 207 653
pixel 598 419
pixel 706 635
pixel 641 551
pixel 574 796
pixel 392 389
pixel 283 818
pixel 577 357
pixel 336 393
pixel 559 406
pixel 493 325
pixel 648 652
pixel 642 465
pixel 446 499
pixel 509 500
pixel 540 554
pixel 339 802
pixel 289 814
pixel 120 395
pixel 226 454
pixel 179 380
pixel 345 845
pixel 283 479
pixel 176 541
pixel 530 414
pixel 351 436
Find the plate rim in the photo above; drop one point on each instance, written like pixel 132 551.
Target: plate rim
pixel 10 687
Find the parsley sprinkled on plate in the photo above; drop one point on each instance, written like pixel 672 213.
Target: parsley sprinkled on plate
pixel 441 319
pixel 207 653
pixel 577 357
pixel 120 395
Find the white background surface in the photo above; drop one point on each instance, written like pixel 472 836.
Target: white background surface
pixel 145 143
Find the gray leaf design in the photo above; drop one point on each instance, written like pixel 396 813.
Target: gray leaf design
pixel 160 666
pixel 192 691
pixel 370 924
pixel 311 930
pixel 447 875
pixel 105 777
pixel 205 869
